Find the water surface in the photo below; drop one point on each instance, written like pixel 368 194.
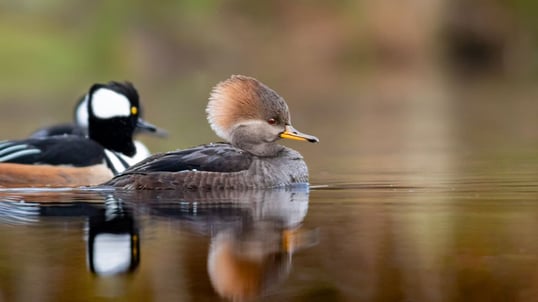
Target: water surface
pixel 459 239
pixel 431 198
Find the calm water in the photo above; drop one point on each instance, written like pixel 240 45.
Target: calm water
pixel 455 239
pixel 432 201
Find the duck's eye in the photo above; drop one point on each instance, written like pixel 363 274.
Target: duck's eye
pixel 134 110
pixel 271 121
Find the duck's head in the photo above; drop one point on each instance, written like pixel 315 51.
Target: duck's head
pixel 251 116
pixel 113 115
pixel 81 118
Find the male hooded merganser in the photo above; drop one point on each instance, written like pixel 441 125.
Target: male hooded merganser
pixel 79 126
pixel 251 117
pixel 74 160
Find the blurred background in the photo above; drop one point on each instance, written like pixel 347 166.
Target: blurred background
pixel 413 85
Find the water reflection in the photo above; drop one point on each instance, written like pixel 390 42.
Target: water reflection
pixel 254 234
pixel 248 262
pixel 250 238
pixel 255 256
pixel 113 240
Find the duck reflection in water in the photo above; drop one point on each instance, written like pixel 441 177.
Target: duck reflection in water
pixel 254 233
pixel 113 245
pixel 253 236
pixel 249 262
pixel 113 241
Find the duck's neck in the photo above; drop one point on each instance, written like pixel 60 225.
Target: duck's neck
pixel 262 150
pixel 111 135
pixel 245 139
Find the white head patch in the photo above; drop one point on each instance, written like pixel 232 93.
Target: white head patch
pixel 107 103
pixel 81 113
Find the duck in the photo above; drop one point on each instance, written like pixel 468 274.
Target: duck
pixel 79 126
pixel 251 118
pixel 75 160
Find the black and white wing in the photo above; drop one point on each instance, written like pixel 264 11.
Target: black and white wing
pixel 56 150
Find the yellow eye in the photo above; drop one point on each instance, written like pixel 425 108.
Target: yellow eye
pixel 134 110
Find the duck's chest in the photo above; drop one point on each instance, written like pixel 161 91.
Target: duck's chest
pixel 281 171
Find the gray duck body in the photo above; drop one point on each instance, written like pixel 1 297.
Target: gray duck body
pixel 217 166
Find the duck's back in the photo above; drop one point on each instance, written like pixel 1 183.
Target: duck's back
pixel 213 167
pixel 69 150
pixel 59 129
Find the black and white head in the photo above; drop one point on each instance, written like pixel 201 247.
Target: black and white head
pixel 81 118
pixel 113 115
pixel 251 116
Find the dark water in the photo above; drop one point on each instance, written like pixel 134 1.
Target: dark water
pixel 468 238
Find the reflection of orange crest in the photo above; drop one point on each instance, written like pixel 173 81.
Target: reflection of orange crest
pixel 234 277
pixel 243 266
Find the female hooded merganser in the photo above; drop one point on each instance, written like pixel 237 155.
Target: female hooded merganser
pixel 74 160
pixel 80 127
pixel 251 117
